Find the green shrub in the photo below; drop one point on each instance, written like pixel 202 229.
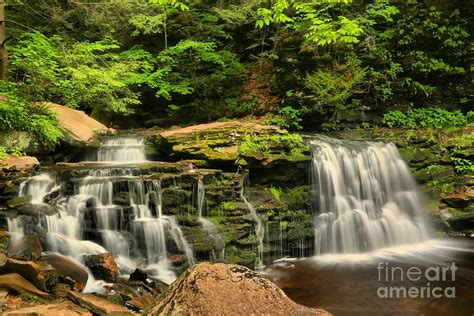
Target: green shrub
pixel 290 145
pixel 425 118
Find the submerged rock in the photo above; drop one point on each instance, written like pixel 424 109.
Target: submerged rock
pixel 226 289
pixel 102 266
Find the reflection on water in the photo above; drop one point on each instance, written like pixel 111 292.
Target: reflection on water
pixel 351 284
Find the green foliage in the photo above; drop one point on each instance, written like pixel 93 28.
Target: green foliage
pixel 332 89
pixel 424 118
pixel 276 193
pixel 18 113
pixel 462 165
pixel 292 145
pixel 86 75
pixel 288 118
pixel 3 153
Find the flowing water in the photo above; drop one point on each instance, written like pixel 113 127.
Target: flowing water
pixel 370 233
pixel 209 227
pixel 110 209
pixel 367 199
pixel 259 229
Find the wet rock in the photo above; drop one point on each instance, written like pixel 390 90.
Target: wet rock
pixel 225 289
pixel 19 201
pixel 68 270
pixel 62 308
pixel 28 247
pixel 60 290
pixel 102 266
pixel 15 282
pixel 458 200
pixel 138 275
pixel 4 241
pixel 98 305
pixel 37 210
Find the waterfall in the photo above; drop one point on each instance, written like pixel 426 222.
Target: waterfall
pixel 110 209
pixel 122 149
pixel 367 197
pixel 209 226
pixel 259 230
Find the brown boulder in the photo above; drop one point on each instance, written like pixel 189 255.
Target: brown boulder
pixel 458 200
pixel 67 268
pixel 97 305
pixel 15 282
pixel 19 163
pixel 102 266
pixel 59 309
pixel 41 274
pixel 226 289
pixel 28 247
pixel 78 128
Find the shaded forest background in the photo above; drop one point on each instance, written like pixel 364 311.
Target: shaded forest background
pixel 312 65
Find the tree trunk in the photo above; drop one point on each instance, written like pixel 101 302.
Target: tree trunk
pixel 3 38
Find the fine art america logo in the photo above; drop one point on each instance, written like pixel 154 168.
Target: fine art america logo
pixel 411 278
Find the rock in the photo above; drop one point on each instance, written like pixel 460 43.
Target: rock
pixel 138 275
pixel 17 283
pixel 19 201
pixel 102 266
pixel 67 268
pixel 41 274
pixel 226 289
pixel 220 143
pixel 62 308
pixel 457 200
pixel 37 210
pixel 98 305
pixel 4 241
pixel 60 290
pixel 141 302
pixel 21 163
pixel 78 128
pixel 28 247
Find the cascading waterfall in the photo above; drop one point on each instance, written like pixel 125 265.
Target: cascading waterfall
pixel 209 226
pixel 112 210
pixel 367 197
pixel 259 229
pixel 122 149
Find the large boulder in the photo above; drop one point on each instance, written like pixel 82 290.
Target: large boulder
pixel 39 273
pixel 67 268
pixel 22 163
pixel 102 266
pixel 225 289
pixel 15 282
pixel 78 128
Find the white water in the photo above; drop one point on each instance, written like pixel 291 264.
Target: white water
pixel 209 227
pixel 259 230
pixel 121 230
pixel 367 197
pixel 122 149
